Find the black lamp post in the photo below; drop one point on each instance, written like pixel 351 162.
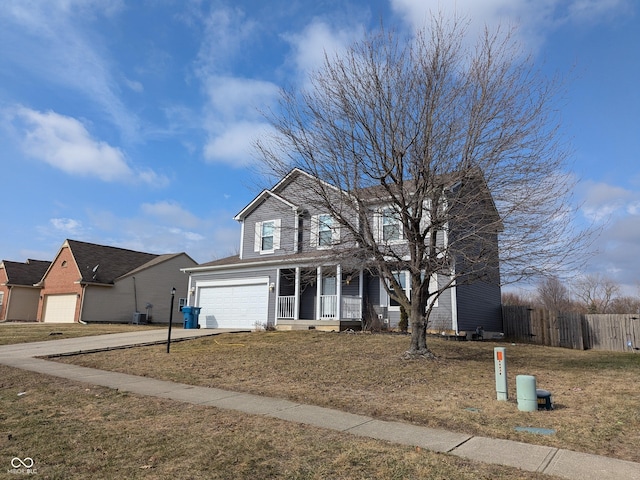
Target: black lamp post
pixel 173 294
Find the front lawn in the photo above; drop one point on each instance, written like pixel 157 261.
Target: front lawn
pixel 596 394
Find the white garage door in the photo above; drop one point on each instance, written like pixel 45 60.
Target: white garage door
pixel 234 305
pixel 60 308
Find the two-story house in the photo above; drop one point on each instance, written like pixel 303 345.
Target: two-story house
pixel 290 274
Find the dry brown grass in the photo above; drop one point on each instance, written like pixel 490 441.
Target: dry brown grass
pixel 596 394
pixel 11 333
pixel 74 431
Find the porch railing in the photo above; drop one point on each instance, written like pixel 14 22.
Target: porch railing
pixel 328 306
pixel 286 306
pixel 351 307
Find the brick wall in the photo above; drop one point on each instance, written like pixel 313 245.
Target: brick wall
pixel 62 278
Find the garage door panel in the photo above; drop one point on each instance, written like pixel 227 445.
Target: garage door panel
pixel 60 308
pixel 233 306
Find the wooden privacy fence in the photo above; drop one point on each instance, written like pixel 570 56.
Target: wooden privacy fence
pixel 572 330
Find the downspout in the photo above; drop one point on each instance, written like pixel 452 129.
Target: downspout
pixel 454 308
pixel 135 294
pixel 7 303
pixel 84 291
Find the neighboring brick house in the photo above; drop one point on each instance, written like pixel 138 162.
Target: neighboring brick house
pixel 289 273
pixel 18 294
pixel 97 283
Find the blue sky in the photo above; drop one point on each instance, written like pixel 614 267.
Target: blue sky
pixel 129 123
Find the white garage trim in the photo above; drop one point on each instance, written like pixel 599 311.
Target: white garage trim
pixel 240 303
pixel 60 308
pixel 239 281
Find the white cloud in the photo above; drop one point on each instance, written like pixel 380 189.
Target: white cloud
pixel 225 32
pixel 316 40
pixel 234 97
pixel 133 85
pixel 233 115
pixel 164 227
pixel 67 226
pixel 65 143
pixel 234 145
pixel 618 245
pixel 534 19
pixel 171 213
pixel 59 46
pixel 602 201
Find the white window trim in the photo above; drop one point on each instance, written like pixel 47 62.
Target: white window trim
pixel 378 227
pixel 315 232
pixel 385 298
pixel 257 245
pixel 407 291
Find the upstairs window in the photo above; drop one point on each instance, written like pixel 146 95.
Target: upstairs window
pixel 267 236
pixel 325 231
pixel 391 226
pixel 268 229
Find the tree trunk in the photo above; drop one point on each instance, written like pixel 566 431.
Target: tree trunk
pixel 418 347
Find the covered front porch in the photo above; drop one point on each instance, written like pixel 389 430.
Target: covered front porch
pixel 323 298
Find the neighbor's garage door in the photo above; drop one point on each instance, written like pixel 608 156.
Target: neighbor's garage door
pixel 60 308
pixel 234 305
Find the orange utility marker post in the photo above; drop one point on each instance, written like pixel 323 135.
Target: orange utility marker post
pixel 500 360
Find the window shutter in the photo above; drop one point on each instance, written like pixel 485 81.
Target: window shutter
pixel 425 220
pixel 335 233
pixel 433 286
pixel 384 296
pixel 314 231
pixel 257 243
pixel 377 226
pixel 276 234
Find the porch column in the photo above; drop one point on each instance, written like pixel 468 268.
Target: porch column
pixel 361 293
pixel 277 292
pixel 338 291
pixel 318 293
pixel 296 302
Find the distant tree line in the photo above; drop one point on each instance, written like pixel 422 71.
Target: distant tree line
pixel 594 293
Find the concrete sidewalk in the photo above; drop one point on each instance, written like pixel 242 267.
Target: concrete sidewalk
pixel 533 458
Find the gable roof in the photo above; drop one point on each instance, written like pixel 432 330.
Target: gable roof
pixel 156 261
pixel 103 264
pixel 256 201
pixel 25 274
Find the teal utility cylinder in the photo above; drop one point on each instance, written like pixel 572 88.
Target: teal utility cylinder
pixel 526 392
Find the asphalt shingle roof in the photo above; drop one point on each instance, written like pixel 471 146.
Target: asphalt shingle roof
pixel 27 274
pixel 103 264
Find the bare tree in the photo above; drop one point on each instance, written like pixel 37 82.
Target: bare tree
pixel 553 294
pixel 517 299
pixel 451 146
pixel 624 305
pixel 596 292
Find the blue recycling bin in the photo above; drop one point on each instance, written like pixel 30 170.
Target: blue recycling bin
pixel 191 317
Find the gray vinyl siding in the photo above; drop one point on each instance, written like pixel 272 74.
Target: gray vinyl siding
pixel 242 274
pixel 300 193
pixel 441 316
pixel 479 304
pixel 270 209
pixel 117 303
